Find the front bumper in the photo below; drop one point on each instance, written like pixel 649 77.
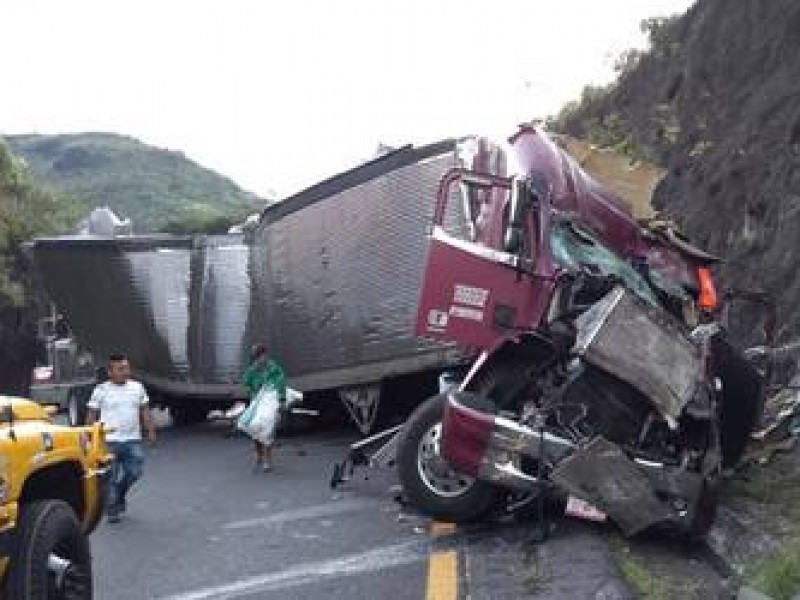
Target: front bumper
pixel 635 493
pixel 478 442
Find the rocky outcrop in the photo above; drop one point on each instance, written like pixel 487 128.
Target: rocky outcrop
pixel 717 102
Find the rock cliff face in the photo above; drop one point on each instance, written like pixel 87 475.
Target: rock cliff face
pixel 716 101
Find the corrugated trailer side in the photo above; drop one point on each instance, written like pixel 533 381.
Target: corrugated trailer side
pixel 340 267
pixel 123 294
pixel 177 306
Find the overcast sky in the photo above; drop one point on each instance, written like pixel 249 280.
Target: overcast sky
pixel 278 94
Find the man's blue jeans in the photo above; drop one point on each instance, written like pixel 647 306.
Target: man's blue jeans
pixel 128 463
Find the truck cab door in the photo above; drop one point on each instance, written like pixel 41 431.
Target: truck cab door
pixel 486 284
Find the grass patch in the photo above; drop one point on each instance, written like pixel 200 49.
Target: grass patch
pixel 757 484
pixel 535 575
pixel 779 575
pixel 644 583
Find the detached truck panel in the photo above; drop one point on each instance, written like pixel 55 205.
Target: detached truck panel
pixel 177 306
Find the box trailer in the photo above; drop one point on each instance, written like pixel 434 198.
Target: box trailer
pixel 329 280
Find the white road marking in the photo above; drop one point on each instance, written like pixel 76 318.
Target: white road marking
pixel 374 560
pixel 310 512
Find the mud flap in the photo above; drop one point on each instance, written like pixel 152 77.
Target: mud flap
pixel 603 475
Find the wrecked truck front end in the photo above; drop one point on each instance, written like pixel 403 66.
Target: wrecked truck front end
pixel 603 375
pixel 627 429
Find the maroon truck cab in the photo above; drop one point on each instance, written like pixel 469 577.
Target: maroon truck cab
pixel 493 277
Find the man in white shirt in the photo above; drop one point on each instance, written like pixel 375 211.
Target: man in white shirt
pixel 122 404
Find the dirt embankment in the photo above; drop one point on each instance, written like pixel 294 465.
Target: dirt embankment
pixel 717 102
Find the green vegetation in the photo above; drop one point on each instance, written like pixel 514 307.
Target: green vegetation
pixel 158 189
pixel 779 576
pixel 26 210
pixel 634 571
pixel 589 119
pixel 655 569
pixel 202 220
pixel 535 575
pixel 593 118
pixel 755 482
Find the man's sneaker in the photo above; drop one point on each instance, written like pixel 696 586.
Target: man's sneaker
pixel 266 467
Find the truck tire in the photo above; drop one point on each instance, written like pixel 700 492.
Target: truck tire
pixel 428 482
pixel 49 528
pixel 742 400
pixel 705 511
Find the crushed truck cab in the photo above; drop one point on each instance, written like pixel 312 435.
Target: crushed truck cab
pixel 52 480
pixel 605 377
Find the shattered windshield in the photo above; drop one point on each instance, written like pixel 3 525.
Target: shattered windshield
pixel 573 247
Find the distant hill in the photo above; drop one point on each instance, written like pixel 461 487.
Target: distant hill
pixel 158 189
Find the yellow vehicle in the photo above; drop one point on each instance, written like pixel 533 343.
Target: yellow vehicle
pixel 52 480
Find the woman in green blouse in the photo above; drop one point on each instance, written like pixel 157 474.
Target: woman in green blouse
pixel 263 371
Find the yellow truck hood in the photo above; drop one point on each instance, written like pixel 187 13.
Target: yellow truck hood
pixel 24 410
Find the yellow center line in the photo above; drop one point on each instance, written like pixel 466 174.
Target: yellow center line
pixel 442 576
pixel 442 567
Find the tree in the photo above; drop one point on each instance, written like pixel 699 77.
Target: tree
pixel 26 210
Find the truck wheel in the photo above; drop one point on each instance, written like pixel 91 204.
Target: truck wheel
pixel 705 511
pixel 742 400
pixel 183 416
pixel 76 407
pixel 51 556
pixel 428 481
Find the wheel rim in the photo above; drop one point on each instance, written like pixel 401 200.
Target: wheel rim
pixel 67 579
pixel 434 471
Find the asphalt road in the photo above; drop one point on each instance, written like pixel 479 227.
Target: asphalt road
pixel 202 524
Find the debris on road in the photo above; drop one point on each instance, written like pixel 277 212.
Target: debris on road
pixel 781 417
